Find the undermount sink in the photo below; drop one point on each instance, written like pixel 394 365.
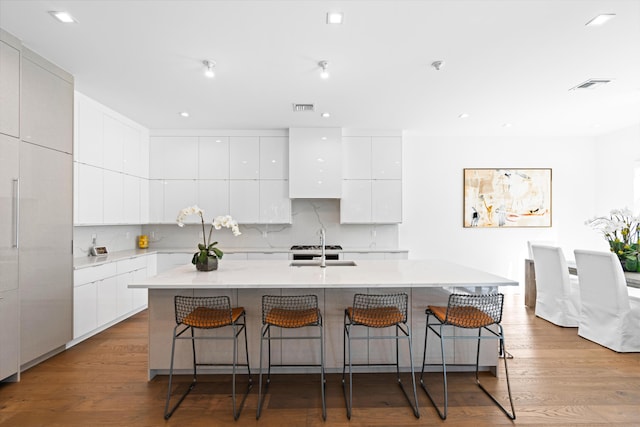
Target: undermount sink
pixel 329 263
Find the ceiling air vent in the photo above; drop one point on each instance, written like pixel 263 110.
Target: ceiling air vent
pixel 591 84
pixel 303 107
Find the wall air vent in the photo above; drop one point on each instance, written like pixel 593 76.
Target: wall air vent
pixel 303 107
pixel 591 84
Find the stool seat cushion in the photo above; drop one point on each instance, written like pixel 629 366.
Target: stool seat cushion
pixel 376 317
pixel 462 316
pixel 204 317
pixel 286 318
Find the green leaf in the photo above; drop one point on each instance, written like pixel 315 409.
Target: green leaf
pixel 195 258
pixel 201 247
pixel 218 252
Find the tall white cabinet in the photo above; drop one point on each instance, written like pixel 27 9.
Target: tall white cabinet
pixel 36 181
pixel 372 184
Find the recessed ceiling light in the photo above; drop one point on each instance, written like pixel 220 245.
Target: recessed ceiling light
pixel 506 125
pixel 591 84
pixel 63 17
pixel 325 115
pixel 463 116
pixel 600 20
pixel 184 114
pixel 335 18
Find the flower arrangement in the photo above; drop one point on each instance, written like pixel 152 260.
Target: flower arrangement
pixel 207 248
pixel 622 231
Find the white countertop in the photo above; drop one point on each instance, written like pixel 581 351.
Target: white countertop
pixel 366 274
pixel 91 261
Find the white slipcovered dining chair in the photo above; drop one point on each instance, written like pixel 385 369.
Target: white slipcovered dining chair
pixel 609 316
pixel 558 295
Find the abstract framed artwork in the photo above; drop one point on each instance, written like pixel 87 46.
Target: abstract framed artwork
pixel 505 198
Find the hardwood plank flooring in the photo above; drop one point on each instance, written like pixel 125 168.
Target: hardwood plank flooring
pixel 557 378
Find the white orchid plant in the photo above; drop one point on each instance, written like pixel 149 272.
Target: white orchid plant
pixel 621 230
pixel 207 248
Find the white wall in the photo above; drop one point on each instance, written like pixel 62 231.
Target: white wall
pixel 433 198
pixel 617 153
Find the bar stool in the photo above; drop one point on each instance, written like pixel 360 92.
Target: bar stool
pixel 208 313
pixel 469 312
pixel 290 312
pixel 377 311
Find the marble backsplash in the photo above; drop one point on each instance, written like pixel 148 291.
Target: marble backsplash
pixel 308 216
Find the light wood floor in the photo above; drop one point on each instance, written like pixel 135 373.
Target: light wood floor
pixel 557 378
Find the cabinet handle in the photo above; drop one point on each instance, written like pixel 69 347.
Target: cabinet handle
pixel 16 211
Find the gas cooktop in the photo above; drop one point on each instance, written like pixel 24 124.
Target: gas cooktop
pixel 315 247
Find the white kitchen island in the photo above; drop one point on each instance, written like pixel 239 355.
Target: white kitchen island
pixel 426 282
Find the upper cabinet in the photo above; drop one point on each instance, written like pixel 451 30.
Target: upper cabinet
pixel 241 175
pixel 112 166
pixel 9 89
pixel 47 97
pixel 315 163
pixel 372 188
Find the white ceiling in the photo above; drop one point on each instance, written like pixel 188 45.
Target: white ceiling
pixel 506 61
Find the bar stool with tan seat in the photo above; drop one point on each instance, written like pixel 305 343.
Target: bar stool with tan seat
pixel 377 311
pixel 481 312
pixel 290 312
pixel 208 313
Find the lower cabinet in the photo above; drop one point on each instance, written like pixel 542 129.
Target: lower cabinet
pixel 9 329
pixel 102 297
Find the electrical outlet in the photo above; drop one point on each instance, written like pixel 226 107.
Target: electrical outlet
pixel 127 235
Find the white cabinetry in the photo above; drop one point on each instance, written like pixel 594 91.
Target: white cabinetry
pixel 372 188
pixel 9 89
pixel 244 176
pixel 102 296
pixel 112 166
pixel 315 163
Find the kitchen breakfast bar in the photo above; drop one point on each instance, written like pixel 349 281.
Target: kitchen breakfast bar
pixel 245 282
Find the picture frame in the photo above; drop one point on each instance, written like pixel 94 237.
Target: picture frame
pixel 507 198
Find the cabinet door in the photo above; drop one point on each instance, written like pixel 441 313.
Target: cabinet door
pixel 315 163
pixel 275 205
pixel 9 339
pixel 213 157
pixel 46 260
pixel 131 151
pixel 274 157
pixel 46 115
pixel 113 197
pixel 89 132
pixel 131 199
pixel 386 157
pixel 244 201
pixel 9 90
pixel 145 202
pixel 107 300
pixel 355 205
pixel 8 213
pixel 244 157
pixel 178 194
pixel 113 150
pixel 90 190
pixel 85 309
pixel 356 157
pixel 174 157
pixel 124 294
pixel 386 201
pixel 213 197
pixel 156 201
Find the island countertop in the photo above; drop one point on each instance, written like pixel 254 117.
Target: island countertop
pixel 259 274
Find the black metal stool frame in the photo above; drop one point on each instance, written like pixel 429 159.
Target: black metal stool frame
pixel 266 336
pixel 402 332
pixel 238 327
pixel 437 327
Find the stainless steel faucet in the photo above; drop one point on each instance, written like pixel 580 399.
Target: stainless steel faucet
pixel 323 257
